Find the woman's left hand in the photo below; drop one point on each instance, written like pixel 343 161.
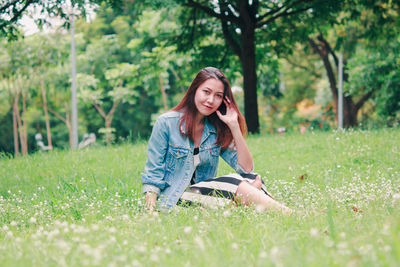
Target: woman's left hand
pixel 231 117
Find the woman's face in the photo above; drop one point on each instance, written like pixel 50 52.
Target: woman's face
pixel 209 96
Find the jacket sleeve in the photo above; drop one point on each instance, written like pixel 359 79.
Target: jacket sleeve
pixel 230 156
pixel 153 178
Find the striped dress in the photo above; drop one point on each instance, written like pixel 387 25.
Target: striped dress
pixel 215 192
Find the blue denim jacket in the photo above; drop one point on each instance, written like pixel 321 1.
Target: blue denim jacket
pixel 169 167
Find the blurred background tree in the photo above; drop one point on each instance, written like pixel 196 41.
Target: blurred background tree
pixel 136 59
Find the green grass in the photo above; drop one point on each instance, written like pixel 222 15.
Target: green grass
pixel 85 208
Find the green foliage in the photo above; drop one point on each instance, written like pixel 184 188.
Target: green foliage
pixel 378 70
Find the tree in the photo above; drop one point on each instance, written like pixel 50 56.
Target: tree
pixel 16 85
pixel 241 23
pixel 363 23
pixel 377 70
pixel 12 11
pixel 120 79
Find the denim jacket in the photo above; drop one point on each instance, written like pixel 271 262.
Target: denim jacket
pixel 169 167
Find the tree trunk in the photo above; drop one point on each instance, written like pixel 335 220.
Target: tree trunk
pixel 24 126
pixel 46 116
pixel 20 127
pixel 67 122
pixel 248 61
pixel 69 126
pixel 164 95
pixel 15 126
pixel 349 109
pixel 349 112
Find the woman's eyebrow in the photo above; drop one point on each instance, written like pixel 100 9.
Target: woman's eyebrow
pixel 213 89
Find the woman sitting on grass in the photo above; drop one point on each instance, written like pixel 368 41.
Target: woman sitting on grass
pixel 185 146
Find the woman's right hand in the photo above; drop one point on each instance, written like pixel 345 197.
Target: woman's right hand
pixel 150 198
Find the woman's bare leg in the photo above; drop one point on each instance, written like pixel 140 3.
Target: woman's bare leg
pixel 251 195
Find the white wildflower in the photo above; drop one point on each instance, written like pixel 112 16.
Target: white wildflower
pixel 314 232
pixel 199 242
pixel 141 249
pixel 32 220
pixel 263 255
pixel 235 246
pixel 226 213
pixel 154 257
pixel 187 230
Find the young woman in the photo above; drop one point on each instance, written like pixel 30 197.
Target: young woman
pixel 185 145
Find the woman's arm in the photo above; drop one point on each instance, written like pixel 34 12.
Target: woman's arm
pixel 153 178
pixel 244 157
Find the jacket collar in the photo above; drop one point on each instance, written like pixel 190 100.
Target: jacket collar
pixel 208 129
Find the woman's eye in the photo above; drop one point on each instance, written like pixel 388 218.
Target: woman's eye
pixel 206 91
pixel 219 96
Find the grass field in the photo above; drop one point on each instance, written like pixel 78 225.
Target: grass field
pixel 84 208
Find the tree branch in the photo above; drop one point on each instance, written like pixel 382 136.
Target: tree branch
pixel 282 14
pixel 112 110
pixel 230 40
pixel 57 115
pixel 16 14
pixel 295 64
pixel 363 99
pixel 276 10
pixel 212 13
pixel 321 38
pixel 100 110
pixel 7 5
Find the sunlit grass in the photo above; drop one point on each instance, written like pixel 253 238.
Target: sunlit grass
pixel 85 208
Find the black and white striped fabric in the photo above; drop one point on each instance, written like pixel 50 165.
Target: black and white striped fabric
pixel 219 191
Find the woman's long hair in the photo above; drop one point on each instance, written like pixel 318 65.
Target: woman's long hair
pixel 188 107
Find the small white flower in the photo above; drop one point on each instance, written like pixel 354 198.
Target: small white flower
pixel 263 255
pixel 154 257
pixel 141 249
pixel 187 230
pixel 32 220
pixel 226 213
pixel 235 246
pixel 199 242
pixel 5 228
pixel 396 197
pixel 13 223
pixel 314 232
pixel 387 248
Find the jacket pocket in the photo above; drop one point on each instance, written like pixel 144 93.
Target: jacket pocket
pixel 176 156
pixel 215 151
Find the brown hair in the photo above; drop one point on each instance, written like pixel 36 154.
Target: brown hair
pixel 188 107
